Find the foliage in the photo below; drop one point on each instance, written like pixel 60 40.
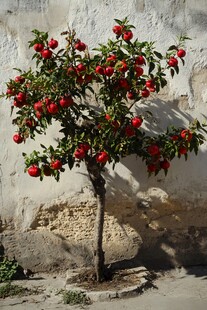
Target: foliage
pixel 9 289
pixel 8 269
pixel 120 74
pixel 75 298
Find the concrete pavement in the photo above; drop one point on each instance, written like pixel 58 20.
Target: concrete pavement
pixel 179 289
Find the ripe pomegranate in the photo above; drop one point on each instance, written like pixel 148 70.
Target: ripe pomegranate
pixel 181 53
pixel 123 83
pixel 80 46
pixel 10 92
pixel 117 30
pixel 136 121
pixel 48 101
pixel 80 80
pixel 79 153
pixel 81 68
pixel 53 44
pixel 151 168
pixel 124 68
pixel 173 62
pixel 38 115
pixel 38 47
pixel 46 54
pixel 46 170
pixel 18 104
pixel 153 150
pixel 129 131
pixel 38 106
pixel 52 108
pixel 145 93
pixel 130 95
pixel 30 122
pixel 99 70
pixel 140 60
pixel 71 71
pixel 34 171
pixel 19 79
pixel 164 164
pixel 174 137
pixel 139 71
pixel 111 60
pixel 17 138
pixel 85 146
pixel 66 101
pixel 56 165
pixel 102 157
pixel 183 150
pixel 186 134
pixel 109 71
pixel 128 35
pixel 88 78
pixel 150 83
pixel 21 97
pixel 108 117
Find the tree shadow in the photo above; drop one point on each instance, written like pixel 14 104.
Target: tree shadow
pixel 162 220
pixel 199 271
pixel 164 245
pixel 164 113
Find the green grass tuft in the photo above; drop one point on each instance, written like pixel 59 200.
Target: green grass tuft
pixel 75 298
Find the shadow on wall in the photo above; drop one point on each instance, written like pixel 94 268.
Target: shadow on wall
pixel 194 17
pixel 171 233
pixel 164 113
pixel 44 251
pixel 169 220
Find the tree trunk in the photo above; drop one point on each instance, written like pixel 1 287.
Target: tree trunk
pixel 99 186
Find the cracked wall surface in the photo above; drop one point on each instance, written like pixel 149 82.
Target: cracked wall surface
pixel 160 220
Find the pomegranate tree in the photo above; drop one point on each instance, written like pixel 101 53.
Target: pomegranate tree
pixel 127 72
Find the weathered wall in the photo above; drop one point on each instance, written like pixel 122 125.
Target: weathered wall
pixel 161 219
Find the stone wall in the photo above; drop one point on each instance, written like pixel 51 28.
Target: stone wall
pixel 49 225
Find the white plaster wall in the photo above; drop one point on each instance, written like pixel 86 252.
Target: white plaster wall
pixel 160 20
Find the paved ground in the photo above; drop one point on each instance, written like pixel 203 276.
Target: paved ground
pixel 180 289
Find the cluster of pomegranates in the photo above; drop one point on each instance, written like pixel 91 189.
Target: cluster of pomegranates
pixel 116 71
pixel 156 162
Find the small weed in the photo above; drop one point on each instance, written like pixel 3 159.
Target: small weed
pixel 75 298
pixel 8 269
pixel 9 289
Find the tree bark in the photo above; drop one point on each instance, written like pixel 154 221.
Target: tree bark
pixel 99 187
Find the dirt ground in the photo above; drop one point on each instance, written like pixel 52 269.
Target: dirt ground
pixel 177 289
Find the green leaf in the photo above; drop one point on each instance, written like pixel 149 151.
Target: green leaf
pixel 12 108
pixel 172 47
pixel 172 72
pixel 43 146
pixel 35 31
pixel 183 61
pixel 71 161
pixel 131 26
pixel 176 69
pixel 158 55
pixel 184 37
pixel 151 67
pixel 118 21
pixel 163 83
pixel 157 87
